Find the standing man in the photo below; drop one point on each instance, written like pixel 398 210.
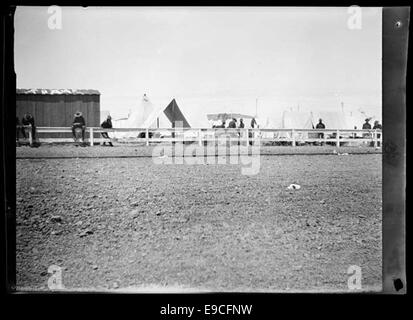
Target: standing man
pixel 320 125
pixel 107 124
pixel 79 122
pixel 241 126
pixel 28 120
pixel 232 124
pixel 377 126
pixel 366 126
pixel 253 123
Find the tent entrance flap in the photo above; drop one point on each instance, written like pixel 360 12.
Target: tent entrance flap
pixel 175 115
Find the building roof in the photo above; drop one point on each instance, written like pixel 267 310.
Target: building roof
pixel 58 91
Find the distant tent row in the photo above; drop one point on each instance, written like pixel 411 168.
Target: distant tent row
pixel 300 120
pixel 331 120
pixel 149 116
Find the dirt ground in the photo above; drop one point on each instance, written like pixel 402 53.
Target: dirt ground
pixel 131 224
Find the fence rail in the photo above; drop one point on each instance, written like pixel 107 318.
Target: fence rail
pixel 218 135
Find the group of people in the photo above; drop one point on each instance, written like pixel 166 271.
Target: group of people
pixel 78 123
pixel 376 126
pixel 366 125
pixel 233 124
pixel 320 124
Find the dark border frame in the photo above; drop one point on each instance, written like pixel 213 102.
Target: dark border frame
pixel 8 169
pixel 394 72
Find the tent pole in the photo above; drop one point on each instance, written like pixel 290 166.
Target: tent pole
pixel 256 107
pixel 147 136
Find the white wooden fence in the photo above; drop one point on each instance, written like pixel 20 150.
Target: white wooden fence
pixel 218 135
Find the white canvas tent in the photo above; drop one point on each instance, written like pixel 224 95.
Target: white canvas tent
pixel 308 120
pixel 331 120
pixel 294 120
pixel 135 119
pixel 341 120
pixel 150 116
pixel 156 119
pixel 357 119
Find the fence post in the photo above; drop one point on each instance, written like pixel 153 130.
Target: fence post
pixel 147 136
pixel 30 135
pixel 375 138
pixel 293 137
pixel 338 139
pixel 247 137
pixel 200 137
pixel 91 136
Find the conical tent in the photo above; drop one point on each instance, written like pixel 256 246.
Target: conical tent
pixel 166 117
pixel 149 116
pixel 156 119
pixel 135 120
pixel 175 115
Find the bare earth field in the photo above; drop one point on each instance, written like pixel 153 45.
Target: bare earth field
pixel 130 224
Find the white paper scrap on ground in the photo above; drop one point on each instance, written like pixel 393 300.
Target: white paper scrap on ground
pixel 294 187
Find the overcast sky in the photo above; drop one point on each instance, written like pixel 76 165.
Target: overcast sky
pixel 208 59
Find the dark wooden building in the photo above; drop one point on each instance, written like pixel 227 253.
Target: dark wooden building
pixel 56 107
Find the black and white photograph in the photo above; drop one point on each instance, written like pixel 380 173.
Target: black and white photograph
pixel 199 149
